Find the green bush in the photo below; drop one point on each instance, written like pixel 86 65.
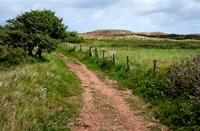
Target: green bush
pixel 184 80
pixel 175 95
pixel 72 39
pixel 12 56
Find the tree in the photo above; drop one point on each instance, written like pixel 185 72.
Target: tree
pixel 3 35
pixel 35 31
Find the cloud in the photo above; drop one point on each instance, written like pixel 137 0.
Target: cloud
pixel 180 16
pixel 90 4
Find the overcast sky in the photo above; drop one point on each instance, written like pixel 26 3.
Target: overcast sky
pixel 169 16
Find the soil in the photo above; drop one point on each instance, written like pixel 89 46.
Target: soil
pixel 105 107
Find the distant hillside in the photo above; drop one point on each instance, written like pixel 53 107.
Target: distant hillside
pixel 111 34
pixel 106 34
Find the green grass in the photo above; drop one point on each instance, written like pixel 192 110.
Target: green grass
pixel 159 91
pixel 145 57
pixel 39 96
pixel 140 57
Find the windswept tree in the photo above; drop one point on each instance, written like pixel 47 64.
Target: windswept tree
pixel 35 31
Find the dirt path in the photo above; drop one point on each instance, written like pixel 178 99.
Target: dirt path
pixel 105 107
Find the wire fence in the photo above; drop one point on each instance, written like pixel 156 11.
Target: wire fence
pixel 102 53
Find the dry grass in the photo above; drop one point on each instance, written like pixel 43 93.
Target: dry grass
pixel 38 96
pixel 105 34
pixel 115 33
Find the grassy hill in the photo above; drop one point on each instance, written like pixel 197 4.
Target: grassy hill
pixel 111 34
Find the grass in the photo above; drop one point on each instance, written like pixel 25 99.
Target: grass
pixel 146 43
pixel 140 57
pixel 39 96
pixel 145 57
pixel 161 91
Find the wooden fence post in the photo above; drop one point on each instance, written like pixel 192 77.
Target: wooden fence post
pixel 96 53
pixel 114 59
pixel 104 53
pixel 128 64
pixel 74 48
pixel 154 67
pixel 80 47
pixel 90 51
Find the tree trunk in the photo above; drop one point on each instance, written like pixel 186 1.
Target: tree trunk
pixel 39 52
pixel 30 52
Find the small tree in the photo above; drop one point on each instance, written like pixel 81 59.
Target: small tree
pixel 35 31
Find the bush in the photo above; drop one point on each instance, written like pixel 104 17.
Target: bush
pixel 181 86
pixel 72 39
pixel 184 80
pixel 12 56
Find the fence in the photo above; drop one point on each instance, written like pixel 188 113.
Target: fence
pixel 101 54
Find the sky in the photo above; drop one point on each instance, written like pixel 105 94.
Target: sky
pixel 169 16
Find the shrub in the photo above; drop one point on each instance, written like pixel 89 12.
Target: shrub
pixel 181 85
pixel 72 39
pixel 12 56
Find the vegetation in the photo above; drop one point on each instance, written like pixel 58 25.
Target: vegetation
pixel 132 42
pixel 37 91
pixel 39 96
pixel 180 87
pixel 26 37
pixel 35 29
pixel 10 56
pixel 173 92
pixel 72 37
pixel 43 95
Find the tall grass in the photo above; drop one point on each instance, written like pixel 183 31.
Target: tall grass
pixel 40 96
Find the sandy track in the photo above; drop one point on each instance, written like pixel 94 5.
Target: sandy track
pixel 104 106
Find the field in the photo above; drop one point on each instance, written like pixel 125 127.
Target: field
pixel 143 52
pixel 173 92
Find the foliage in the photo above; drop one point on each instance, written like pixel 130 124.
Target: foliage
pixel 184 79
pixel 72 37
pixel 174 94
pixel 9 56
pixel 35 30
pixel 3 35
pixel 181 85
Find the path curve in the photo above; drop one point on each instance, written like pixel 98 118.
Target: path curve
pixel 104 107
